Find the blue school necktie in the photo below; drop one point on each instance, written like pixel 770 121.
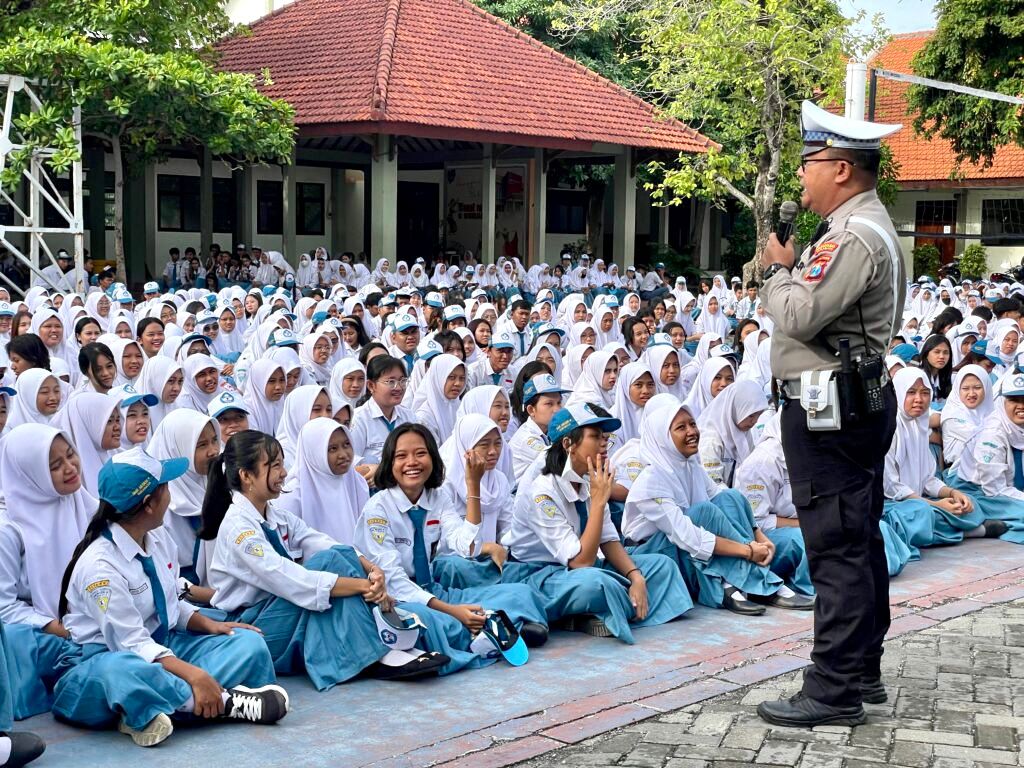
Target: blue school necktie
pixel 581 510
pixel 1018 470
pixel 275 541
pixel 159 601
pixel 420 561
pixel 389 424
pixel 409 362
pixel 495 378
pixel 522 343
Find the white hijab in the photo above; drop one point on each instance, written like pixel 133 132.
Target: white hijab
pixel 153 379
pixel 494 485
pixel 51 525
pixel 24 409
pixel 656 357
pixel 191 395
pixel 955 408
pixel 327 502
pixel 321 374
pixel 588 387
pixel 436 404
pixel 733 405
pixel 910 447
pixel 84 419
pixel 700 394
pixel 667 474
pixel 297 407
pixel 625 410
pixel 176 437
pixel 713 323
pixel 345 367
pixel 264 415
pixel 574 365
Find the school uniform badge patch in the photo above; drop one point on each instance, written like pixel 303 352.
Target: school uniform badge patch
pixel 378 529
pixel 254 548
pixel 547 505
pixel 634 468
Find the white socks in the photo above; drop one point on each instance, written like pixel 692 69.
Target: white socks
pixel 5 750
pixel 785 591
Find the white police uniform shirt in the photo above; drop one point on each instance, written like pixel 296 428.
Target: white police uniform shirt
pixel 110 597
pixel 642 520
pixel 481 374
pixel 463 538
pixel 246 569
pixel 387 535
pixel 546 526
pixel 764 482
pixel 15 594
pixel 528 442
pixel 369 430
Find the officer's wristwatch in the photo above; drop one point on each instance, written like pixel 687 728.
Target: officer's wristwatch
pixel 772 269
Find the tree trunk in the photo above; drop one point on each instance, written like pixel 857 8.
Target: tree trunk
pixel 768 164
pixel 122 271
pixel 595 220
pixel 694 241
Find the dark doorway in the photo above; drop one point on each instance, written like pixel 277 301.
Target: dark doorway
pixel 418 223
pixel 938 216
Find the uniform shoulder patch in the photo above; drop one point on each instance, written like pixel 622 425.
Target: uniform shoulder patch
pixel 547 505
pixel 254 548
pixel 633 469
pixel 378 528
pixel 819 264
pixel 244 535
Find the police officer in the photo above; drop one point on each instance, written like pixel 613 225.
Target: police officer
pixel 849 283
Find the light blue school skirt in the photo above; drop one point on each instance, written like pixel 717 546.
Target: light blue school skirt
pixel 447 635
pixel 912 521
pixel 603 592
pixel 723 516
pixel 1010 511
pixel 29 669
pixel 330 646
pixel 897 552
pixel 101 686
pixel 6 685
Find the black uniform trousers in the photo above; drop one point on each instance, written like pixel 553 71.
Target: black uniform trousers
pixel 837 490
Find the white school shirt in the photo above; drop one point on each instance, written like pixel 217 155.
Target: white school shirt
pixel 480 374
pixel 386 534
pixel 546 527
pixel 651 282
pixel 765 484
pixel 896 489
pixel 458 535
pixel 15 595
pixel 526 445
pixel 641 520
pixel 956 433
pixel 110 598
pixel 246 569
pixel 628 463
pixel 369 431
pixel 987 461
pixel 717 464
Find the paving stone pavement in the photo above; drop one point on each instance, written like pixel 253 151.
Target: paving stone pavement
pixel 956 699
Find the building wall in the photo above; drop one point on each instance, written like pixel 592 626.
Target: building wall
pixel 969 205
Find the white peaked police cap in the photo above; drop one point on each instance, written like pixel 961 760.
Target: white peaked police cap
pixel 823 130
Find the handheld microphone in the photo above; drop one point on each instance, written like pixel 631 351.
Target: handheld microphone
pixel 787 213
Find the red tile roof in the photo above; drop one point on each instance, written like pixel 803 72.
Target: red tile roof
pixel 923 161
pixel 440 69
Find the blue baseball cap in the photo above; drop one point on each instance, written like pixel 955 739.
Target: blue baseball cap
pixel 319 317
pixel 542 384
pixel 6 310
pixel 151 287
pixel 283 337
pixel 123 296
pixel 269 290
pixel 663 339
pixel 1012 384
pixel 427 349
pixel 546 329
pixel 131 476
pixel 434 299
pixel 225 401
pixel 194 337
pixel 403 321
pixel 129 396
pixel 499 637
pixel 454 312
pixel 579 415
pixel 9 391
pixel 907 352
pixel 389 300
pixel 502 340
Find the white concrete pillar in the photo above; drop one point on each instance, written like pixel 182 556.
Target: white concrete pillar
pixel 539 204
pixel 383 200
pixel 624 241
pixel 488 192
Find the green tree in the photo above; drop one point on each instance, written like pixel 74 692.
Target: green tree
pixel 737 71
pixel 979 43
pixel 141 72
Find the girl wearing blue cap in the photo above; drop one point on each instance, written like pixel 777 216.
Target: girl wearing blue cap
pixel 145 655
pixel 309 594
pixel 400 530
pixel 561 525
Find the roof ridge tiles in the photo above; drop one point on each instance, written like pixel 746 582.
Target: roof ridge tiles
pixel 596 76
pixel 385 58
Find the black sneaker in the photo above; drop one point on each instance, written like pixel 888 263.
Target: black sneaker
pixel 533 634
pixel 804 712
pixel 994 528
pixel 394 667
pixel 25 747
pixel 264 705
